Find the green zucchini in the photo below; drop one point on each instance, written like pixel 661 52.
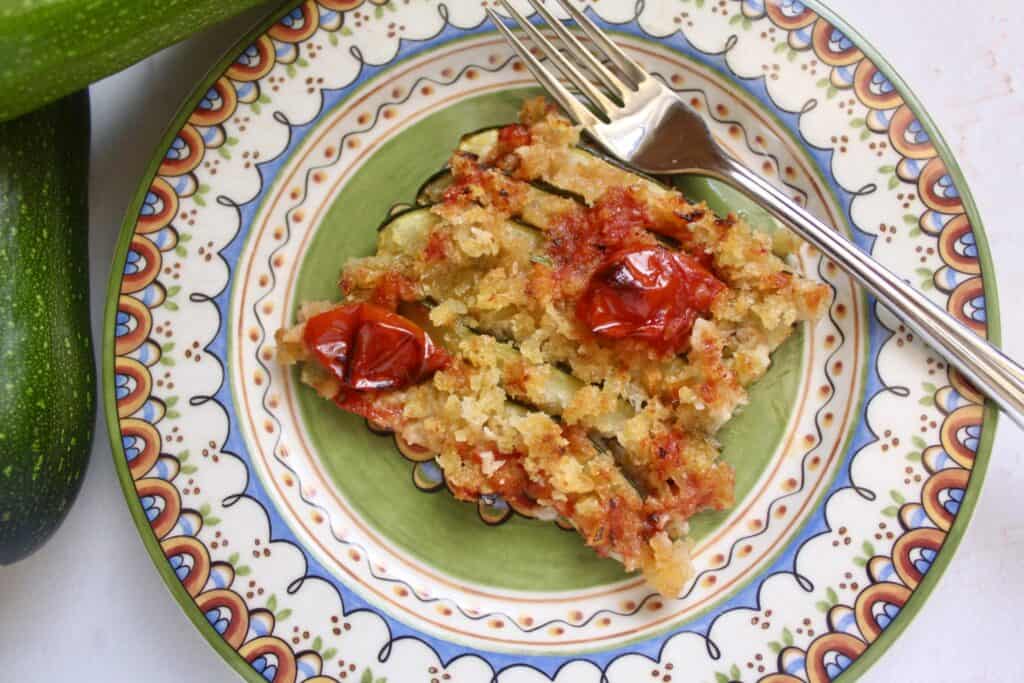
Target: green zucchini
pixel 532 218
pixel 50 48
pixel 47 399
pixel 720 197
pixel 432 190
pixel 479 142
pixel 557 393
pixel 559 388
pixel 407 233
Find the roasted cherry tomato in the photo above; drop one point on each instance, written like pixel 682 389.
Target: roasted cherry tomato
pixel 369 348
pixel 652 294
pixel 512 137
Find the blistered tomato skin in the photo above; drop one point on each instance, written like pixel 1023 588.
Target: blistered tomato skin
pixel 651 294
pixel 512 137
pixel 329 337
pixel 369 348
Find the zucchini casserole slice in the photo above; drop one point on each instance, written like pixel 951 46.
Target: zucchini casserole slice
pixel 564 333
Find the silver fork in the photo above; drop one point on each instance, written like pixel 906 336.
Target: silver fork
pixel 647 126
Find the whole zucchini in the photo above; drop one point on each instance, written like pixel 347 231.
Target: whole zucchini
pixel 50 48
pixel 47 377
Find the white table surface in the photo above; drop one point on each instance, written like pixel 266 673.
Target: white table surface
pixel 90 606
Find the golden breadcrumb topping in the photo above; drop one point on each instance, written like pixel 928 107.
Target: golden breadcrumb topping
pixel 537 403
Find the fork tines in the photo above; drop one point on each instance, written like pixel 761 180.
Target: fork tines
pixel 620 89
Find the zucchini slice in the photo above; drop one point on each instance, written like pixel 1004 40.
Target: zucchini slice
pixel 432 191
pixel 556 392
pixel 720 197
pixel 407 232
pixel 480 142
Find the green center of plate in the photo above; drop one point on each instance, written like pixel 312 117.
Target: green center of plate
pixel 373 476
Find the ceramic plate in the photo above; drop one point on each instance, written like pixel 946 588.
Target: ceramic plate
pixel 305 546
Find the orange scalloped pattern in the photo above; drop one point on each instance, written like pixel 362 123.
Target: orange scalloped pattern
pixel 925 522
pixel 137 354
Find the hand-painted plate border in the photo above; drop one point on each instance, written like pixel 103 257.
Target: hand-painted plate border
pixel 247 626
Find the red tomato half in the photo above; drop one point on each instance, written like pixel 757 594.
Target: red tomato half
pixel 369 348
pixel 512 137
pixel 652 294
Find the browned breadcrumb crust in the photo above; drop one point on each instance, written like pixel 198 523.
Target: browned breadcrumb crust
pixel 631 455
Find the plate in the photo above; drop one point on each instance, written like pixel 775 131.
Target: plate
pixel 305 546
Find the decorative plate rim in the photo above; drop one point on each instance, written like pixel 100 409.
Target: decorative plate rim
pixel 232 658
pixel 990 418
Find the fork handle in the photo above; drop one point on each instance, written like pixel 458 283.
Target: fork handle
pixel 992 372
